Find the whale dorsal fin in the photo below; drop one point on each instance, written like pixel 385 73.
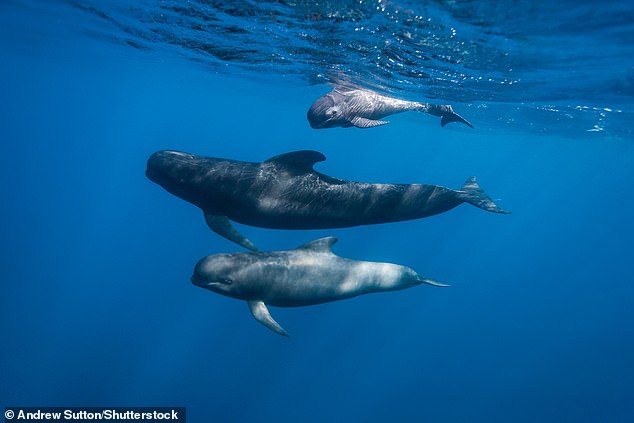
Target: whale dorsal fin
pixel 321 245
pixel 298 161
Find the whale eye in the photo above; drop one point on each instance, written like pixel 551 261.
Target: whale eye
pixel 226 281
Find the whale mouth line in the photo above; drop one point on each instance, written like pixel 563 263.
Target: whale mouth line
pixel 198 281
pixel 322 124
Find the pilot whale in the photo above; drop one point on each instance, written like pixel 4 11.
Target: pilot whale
pixel 310 274
pixel 285 192
pixel 364 109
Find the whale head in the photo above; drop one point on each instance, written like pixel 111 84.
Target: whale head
pixel 176 172
pixel 232 274
pixel 169 167
pixel 327 112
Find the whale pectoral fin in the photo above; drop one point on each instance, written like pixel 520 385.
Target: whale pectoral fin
pixel 361 122
pixel 262 315
pixel 222 226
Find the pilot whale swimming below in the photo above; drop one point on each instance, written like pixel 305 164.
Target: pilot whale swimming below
pixel 285 192
pixel 364 109
pixel 310 274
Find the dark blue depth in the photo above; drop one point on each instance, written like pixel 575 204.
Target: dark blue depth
pixel 97 308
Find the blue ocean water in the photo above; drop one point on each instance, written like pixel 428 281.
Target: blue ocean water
pixel 97 307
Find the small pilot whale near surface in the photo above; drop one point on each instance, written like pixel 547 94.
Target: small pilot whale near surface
pixel 285 192
pixel 310 274
pixel 363 108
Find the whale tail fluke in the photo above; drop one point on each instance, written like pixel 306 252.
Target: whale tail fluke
pixel 474 195
pixel 445 112
pixel 454 117
pixel 432 282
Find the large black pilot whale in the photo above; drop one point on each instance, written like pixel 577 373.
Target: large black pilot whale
pixel 285 192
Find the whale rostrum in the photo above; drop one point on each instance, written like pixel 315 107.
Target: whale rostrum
pixel 285 192
pixel 310 274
